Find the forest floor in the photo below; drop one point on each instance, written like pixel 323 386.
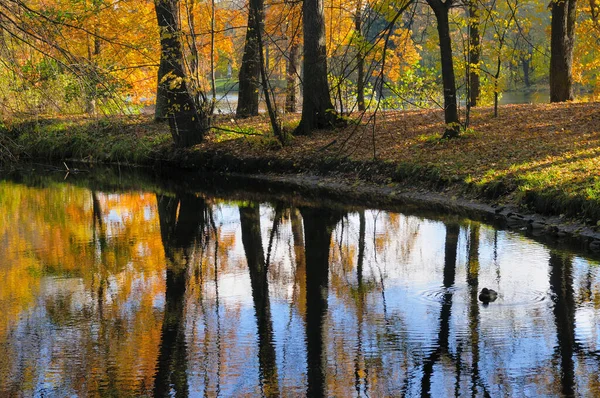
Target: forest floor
pixel 542 157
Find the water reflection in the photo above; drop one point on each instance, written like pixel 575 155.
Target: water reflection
pixel 182 294
pixel 561 286
pixel 252 241
pixel 183 221
pixel 318 226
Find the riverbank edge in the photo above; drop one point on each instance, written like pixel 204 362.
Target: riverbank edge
pixel 373 182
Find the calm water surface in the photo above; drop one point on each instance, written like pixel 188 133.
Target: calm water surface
pixel 157 292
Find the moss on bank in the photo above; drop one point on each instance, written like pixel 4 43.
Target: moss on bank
pixel 544 157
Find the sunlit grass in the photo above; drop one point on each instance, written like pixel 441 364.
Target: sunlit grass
pixel 543 156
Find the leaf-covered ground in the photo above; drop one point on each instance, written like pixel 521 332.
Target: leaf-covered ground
pixel 544 156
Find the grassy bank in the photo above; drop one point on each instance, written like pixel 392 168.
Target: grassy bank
pixel 544 157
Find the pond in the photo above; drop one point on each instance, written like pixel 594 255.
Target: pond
pixel 116 285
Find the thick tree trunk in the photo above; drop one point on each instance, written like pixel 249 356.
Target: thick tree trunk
pixel 249 77
pixel 474 53
pixel 317 110
pixel 291 97
pixel 440 10
pixel 187 123
pixel 561 50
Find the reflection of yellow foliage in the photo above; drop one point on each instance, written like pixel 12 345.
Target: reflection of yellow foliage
pixel 111 265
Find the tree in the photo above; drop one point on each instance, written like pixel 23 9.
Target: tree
pixel 360 59
pixel 317 110
pixel 188 121
pixel 562 39
pixel 440 9
pixel 292 30
pixel 474 52
pixel 249 76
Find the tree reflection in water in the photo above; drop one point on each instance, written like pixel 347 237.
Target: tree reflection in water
pixel 258 268
pixel 561 286
pixel 450 252
pixel 188 295
pixel 318 226
pixel 183 221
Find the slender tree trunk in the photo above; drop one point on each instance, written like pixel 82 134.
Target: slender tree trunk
pixel 525 62
pixel 317 110
pixel 291 97
pixel 249 77
pixel 474 53
pixel 451 119
pixel 360 60
pixel 561 50
pixel 187 124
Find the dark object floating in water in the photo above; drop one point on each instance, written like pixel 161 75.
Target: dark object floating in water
pixel 487 295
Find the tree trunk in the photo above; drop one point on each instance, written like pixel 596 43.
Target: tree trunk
pixel 474 53
pixel 249 77
pixel 187 123
pixel 561 50
pixel 291 97
pixel 360 60
pixel 317 110
pixel 161 107
pixel 525 62
pixel 440 10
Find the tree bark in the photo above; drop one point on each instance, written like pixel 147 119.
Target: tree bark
pixel 317 110
pixel 161 107
pixel 525 62
pixel 451 119
pixel 291 97
pixel 561 50
pixel 474 53
pixel 360 60
pixel 249 76
pixel 187 123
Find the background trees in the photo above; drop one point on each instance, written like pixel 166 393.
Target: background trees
pixel 106 57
